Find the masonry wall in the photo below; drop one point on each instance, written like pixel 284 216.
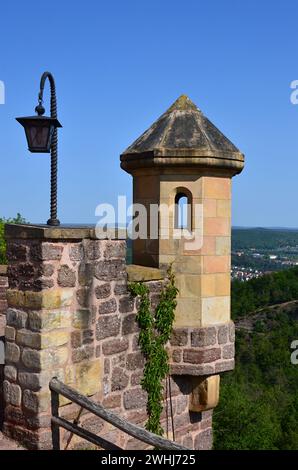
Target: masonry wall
pixel 3 302
pixel 70 315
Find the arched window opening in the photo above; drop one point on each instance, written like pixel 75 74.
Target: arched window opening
pixel 182 211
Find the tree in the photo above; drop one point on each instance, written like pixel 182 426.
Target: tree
pixel 16 220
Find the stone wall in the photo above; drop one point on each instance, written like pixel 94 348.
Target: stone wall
pixel 3 307
pixel 70 315
pixel 3 302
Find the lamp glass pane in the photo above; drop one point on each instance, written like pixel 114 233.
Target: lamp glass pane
pixel 38 136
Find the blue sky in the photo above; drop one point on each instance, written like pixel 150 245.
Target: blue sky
pixel 118 65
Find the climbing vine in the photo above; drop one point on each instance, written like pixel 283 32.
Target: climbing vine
pixel 155 331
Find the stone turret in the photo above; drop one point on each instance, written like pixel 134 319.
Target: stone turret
pixel 183 155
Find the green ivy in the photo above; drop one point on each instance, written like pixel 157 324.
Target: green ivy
pixel 155 332
pixel 16 220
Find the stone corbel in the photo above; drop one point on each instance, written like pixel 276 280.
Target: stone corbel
pixel 205 393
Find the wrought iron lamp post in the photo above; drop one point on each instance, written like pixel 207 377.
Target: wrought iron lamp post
pixel 42 137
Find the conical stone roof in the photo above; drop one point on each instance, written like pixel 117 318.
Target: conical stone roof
pixel 183 136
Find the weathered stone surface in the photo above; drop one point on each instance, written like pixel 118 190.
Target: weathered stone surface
pixel 16 318
pixel 33 381
pixel 197 357
pixel 43 283
pixel 16 252
pixel 223 366
pixel 55 298
pixel 182 403
pixel 84 352
pixel 176 355
pixel 82 319
pixel 12 393
pixel 182 420
pixel 46 251
pixel 88 336
pixel 119 379
pixel 85 274
pixel 110 270
pixel 83 296
pixel 188 369
pixel 137 273
pixel 135 444
pixel 134 398
pixel 29 338
pixel 228 351
pixel 115 346
pixel 136 377
pixel 109 306
pixel 135 360
pixel 76 252
pixel 232 332
pixel 66 276
pixel 120 288
pixel 44 320
pixel 36 402
pixel 107 366
pixel 112 401
pixel 187 441
pixel 203 440
pixel 119 360
pixel 76 339
pixel 126 304
pixel 115 249
pixel 42 360
pixel 21 275
pixel 103 291
pixel 14 414
pixel 91 249
pixel 10 373
pixel 37 421
pixel 107 326
pixel 47 270
pixel 129 324
pixel 10 333
pixel 179 337
pixel 12 352
pixel 203 337
pixel 223 332
pixel 86 377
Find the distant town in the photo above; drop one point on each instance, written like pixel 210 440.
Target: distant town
pixel 256 252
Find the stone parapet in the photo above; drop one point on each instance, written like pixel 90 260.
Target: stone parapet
pixel 3 301
pixel 70 315
pixel 202 351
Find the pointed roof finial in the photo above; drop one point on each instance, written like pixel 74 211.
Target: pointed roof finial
pixel 183 103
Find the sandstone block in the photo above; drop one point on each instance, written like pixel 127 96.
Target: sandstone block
pixel 16 318
pixel 12 352
pixel 135 361
pixel 10 373
pixel 198 357
pixel 66 276
pixel 115 346
pixel 119 379
pixel 103 291
pixel 126 304
pixel 109 306
pixel 134 398
pixel 10 333
pixel 12 393
pixel 202 337
pixel 129 324
pixel 107 326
